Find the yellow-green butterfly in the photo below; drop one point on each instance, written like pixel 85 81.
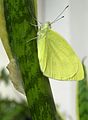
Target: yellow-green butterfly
pixel 56 57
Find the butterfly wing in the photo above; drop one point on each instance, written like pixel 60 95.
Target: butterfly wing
pixel 57 59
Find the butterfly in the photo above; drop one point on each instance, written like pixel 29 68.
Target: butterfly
pixel 56 57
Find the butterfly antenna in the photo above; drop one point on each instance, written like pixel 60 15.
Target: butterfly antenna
pixel 32 39
pixel 57 18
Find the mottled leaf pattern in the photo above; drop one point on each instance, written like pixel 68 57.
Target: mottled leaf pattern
pixel 19 14
pixel 82 97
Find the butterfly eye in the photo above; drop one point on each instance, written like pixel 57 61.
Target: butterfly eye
pixel 49 25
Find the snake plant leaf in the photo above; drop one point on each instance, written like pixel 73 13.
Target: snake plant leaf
pixel 82 96
pixel 11 110
pixel 3 31
pixel 14 73
pixel 18 14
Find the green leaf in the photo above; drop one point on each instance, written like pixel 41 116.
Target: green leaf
pixel 19 15
pixel 82 96
pixel 10 110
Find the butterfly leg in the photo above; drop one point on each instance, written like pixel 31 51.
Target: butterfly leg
pixel 31 39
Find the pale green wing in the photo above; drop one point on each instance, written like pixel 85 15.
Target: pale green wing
pixel 42 53
pixel 57 59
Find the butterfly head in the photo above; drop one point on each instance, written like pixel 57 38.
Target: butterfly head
pixel 44 27
pixel 47 25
